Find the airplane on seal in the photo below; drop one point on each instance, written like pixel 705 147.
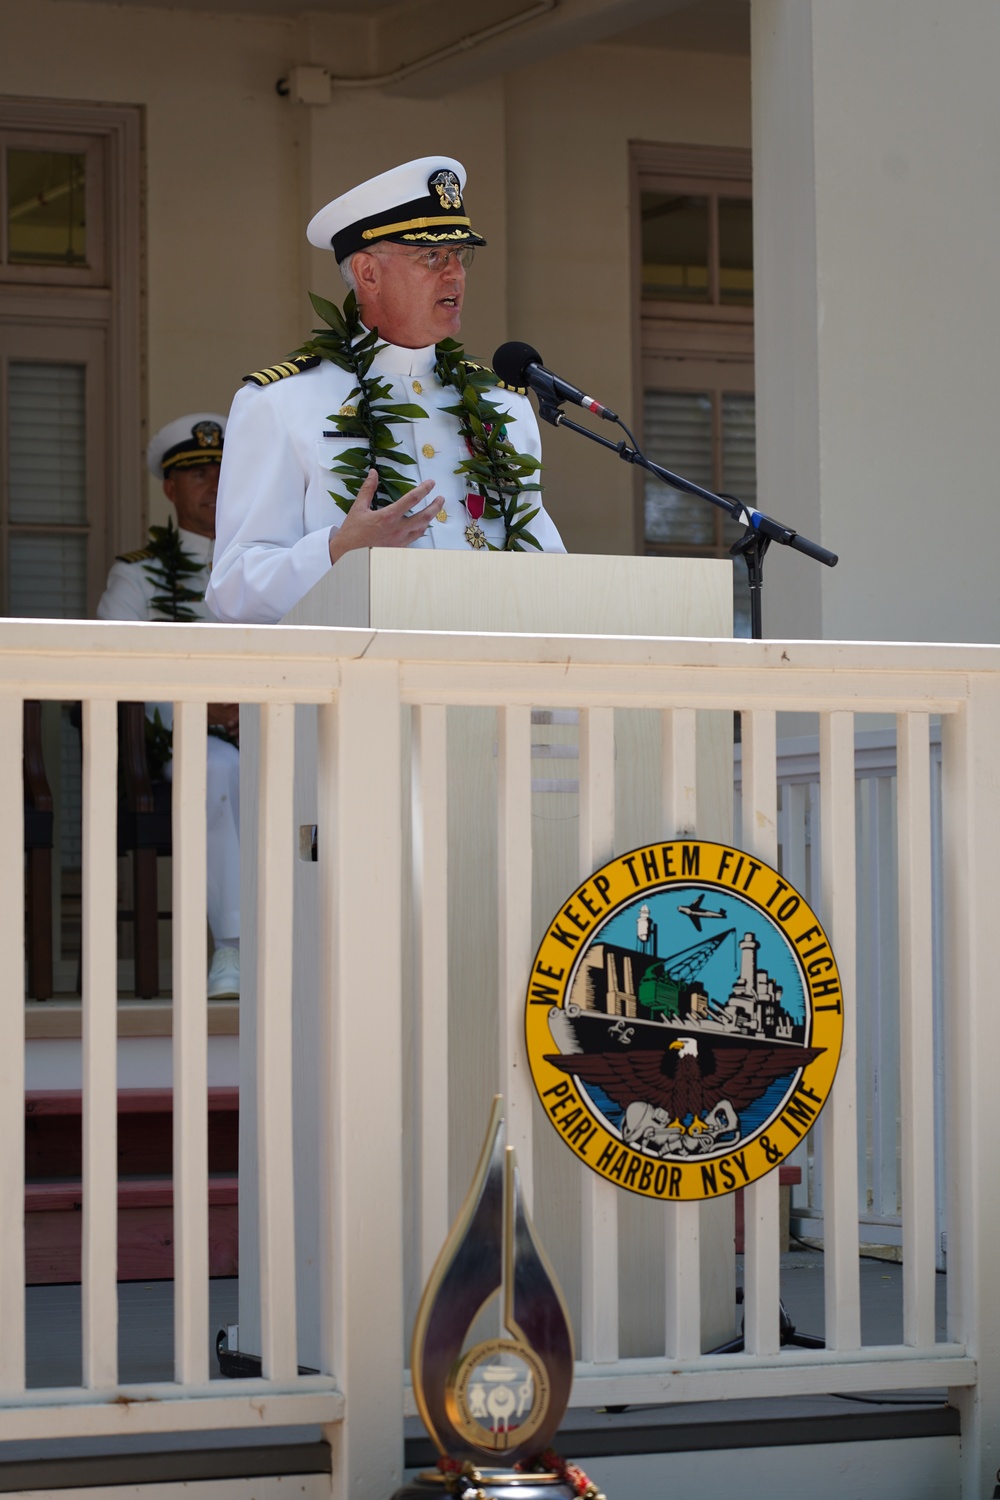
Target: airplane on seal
pixel 697 912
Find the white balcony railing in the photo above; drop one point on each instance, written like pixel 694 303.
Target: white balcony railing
pixel 385 1204
pixel 799 843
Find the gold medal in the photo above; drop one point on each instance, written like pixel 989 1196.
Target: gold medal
pixel 474 533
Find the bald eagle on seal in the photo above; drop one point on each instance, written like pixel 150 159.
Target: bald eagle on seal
pixel 690 1075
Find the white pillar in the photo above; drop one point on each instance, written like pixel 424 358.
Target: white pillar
pixel 876 132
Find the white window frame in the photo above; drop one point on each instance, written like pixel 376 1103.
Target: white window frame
pixel 686 346
pixel 40 303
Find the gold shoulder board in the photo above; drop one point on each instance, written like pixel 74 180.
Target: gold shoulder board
pixel 519 390
pixel 293 366
pixel 139 555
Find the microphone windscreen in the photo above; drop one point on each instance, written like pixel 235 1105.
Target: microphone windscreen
pixel 511 360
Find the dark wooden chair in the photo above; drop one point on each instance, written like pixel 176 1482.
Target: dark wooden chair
pixel 144 831
pixel 38 830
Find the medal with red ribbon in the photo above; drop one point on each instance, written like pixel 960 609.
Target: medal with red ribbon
pixel 474 534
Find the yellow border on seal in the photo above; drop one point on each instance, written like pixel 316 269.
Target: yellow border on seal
pixel 618 885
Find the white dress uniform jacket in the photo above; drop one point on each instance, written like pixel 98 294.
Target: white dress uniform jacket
pixel 275 511
pixel 129 596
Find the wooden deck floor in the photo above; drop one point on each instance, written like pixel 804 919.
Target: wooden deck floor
pixel 145 1311
pixel 145 1330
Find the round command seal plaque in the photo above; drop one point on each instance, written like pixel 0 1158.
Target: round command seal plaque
pixel 684 1020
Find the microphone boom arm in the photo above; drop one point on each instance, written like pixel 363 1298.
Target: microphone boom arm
pixel 761 529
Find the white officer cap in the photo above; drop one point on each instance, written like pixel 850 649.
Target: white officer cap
pixel 419 203
pixel 186 443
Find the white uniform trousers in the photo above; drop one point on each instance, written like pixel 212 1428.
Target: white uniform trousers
pixel 222 809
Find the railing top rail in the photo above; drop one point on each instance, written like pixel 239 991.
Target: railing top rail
pixel 244 651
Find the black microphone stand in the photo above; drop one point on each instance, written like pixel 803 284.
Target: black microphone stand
pixel 761 530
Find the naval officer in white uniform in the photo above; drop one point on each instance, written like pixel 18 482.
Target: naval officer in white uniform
pixel 186 455
pixel 403 242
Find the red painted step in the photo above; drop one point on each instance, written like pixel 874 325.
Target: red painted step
pixel 54 1198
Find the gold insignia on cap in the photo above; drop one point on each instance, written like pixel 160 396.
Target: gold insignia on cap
pixel 207 434
pixel 346 411
pixel 425 237
pixel 448 188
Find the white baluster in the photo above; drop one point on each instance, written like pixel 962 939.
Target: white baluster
pixel 514 881
pixel 599 1199
pixel 190 1046
pixel 430 891
pixel 99 1006
pixel 276 851
pixel 840 1141
pixel 682 1220
pixel 761 1200
pixel 916 1028
pixel 12 1048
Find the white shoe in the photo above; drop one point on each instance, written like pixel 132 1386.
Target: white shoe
pixel 224 975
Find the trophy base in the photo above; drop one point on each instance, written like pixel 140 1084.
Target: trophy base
pixel 495 1485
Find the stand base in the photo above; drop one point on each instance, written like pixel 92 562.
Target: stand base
pixel 495 1485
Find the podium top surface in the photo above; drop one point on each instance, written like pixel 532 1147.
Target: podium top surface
pixel 535 593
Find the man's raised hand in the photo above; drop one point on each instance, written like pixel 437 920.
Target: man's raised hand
pixel 388 527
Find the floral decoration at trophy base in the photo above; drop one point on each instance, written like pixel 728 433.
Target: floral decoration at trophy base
pixel 492 1410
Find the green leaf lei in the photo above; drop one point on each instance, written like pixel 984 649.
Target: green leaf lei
pixel 498 472
pixel 168 569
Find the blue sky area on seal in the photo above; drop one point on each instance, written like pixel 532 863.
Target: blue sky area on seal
pixel 677 932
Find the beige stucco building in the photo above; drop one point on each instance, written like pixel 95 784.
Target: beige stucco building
pixel 872 129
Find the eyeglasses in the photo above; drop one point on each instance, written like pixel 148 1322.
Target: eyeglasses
pixel 437 260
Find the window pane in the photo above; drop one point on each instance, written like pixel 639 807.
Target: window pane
pixel 48 466
pixel 48 577
pixel 678 435
pixel 739 452
pixel 739 477
pixel 674 247
pixel 46 208
pixel 736 251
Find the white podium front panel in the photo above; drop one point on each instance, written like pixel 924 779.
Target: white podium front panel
pixel 549 594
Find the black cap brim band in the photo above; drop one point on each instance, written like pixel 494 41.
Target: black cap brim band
pixel 189 458
pixel 422 221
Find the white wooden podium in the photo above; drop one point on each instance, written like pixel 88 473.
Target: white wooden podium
pixel 550 594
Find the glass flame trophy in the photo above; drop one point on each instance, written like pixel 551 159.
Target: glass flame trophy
pixel 499 1403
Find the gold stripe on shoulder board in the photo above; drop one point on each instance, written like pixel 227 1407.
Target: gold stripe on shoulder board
pixel 139 555
pixel 293 366
pixel 517 390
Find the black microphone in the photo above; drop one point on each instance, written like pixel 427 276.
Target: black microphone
pixel 520 365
